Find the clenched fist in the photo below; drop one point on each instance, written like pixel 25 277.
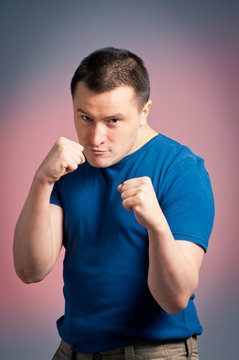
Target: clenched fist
pixel 138 195
pixel 63 158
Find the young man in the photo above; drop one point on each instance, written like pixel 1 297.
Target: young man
pixel 134 211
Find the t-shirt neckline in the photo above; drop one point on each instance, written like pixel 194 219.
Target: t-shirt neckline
pixel 135 153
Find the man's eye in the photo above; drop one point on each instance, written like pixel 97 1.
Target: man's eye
pixel 114 121
pixel 85 118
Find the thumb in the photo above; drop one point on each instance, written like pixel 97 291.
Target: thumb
pixel 119 188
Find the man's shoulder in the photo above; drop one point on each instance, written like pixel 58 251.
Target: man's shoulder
pixel 173 152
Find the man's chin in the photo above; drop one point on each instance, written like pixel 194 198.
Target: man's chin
pixel 100 162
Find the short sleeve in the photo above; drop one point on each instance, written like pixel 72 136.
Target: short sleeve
pixel 55 195
pixel 187 201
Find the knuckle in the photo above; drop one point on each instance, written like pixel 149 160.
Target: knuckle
pixel 64 164
pixel 80 147
pixel 137 208
pixel 61 140
pixel 60 147
pixel 141 196
pixel 124 203
pixel 123 185
pixel 74 166
pixel 146 180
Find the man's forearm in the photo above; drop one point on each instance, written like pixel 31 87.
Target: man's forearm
pixel 172 278
pixel 38 233
pixel 33 245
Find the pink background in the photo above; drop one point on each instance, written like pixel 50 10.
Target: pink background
pixel 192 54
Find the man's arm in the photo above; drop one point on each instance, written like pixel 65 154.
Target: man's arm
pixel 38 233
pixel 173 269
pixel 173 264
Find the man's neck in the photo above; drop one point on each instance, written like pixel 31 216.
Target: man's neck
pixel 147 134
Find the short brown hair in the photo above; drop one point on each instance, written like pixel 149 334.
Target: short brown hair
pixel 107 68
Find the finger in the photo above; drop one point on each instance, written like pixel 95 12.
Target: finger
pixel 137 181
pixel 68 149
pixel 75 146
pixel 131 204
pixel 126 194
pixel 119 187
pixel 76 150
pixel 128 203
pixel 82 158
pixel 79 147
pixel 79 158
pixel 132 183
pixel 70 166
pixel 76 154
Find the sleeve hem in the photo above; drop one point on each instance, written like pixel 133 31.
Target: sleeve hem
pixel 195 239
pixel 55 202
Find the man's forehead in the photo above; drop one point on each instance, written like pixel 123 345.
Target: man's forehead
pixel 82 88
pixel 118 96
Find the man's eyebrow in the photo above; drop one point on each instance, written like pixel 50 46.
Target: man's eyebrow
pixel 118 115
pixel 82 111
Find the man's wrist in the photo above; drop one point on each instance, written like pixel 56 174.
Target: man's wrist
pixel 41 183
pixel 159 228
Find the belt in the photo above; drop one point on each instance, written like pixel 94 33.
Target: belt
pixel 126 352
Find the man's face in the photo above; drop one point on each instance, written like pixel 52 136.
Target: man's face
pixel 109 125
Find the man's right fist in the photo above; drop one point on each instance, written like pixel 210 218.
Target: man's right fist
pixel 63 158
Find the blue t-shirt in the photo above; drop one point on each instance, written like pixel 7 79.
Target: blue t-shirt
pixel 107 300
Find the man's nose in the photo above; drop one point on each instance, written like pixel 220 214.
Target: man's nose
pixel 98 135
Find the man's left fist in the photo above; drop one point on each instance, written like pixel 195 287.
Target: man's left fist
pixel 138 195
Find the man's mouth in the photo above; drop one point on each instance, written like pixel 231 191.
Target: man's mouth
pixel 98 151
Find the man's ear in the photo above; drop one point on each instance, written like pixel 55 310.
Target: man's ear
pixel 145 112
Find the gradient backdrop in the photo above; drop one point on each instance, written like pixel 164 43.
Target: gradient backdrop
pixel 192 53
